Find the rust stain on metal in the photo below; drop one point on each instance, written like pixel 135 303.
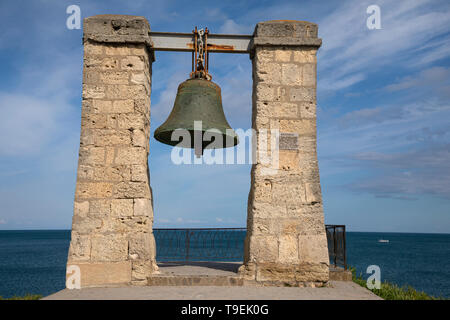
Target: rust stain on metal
pixel 220 47
pixel 214 47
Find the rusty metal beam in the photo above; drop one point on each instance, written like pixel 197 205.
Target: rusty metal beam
pixel 225 43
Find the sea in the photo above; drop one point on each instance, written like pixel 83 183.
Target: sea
pixel 34 262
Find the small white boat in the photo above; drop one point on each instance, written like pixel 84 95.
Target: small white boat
pixel 383 241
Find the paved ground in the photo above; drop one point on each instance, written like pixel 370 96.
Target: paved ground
pixel 338 290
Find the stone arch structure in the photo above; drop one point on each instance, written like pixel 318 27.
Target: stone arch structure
pixel 112 240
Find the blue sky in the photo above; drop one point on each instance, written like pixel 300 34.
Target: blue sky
pixel 383 112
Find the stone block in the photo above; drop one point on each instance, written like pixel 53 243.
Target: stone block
pixel 122 91
pixel 292 74
pixel 289 161
pixel 122 207
pixel 101 106
pixel 85 172
pixel 313 192
pixel 80 247
pixel 108 137
pixel 114 77
pixel 302 94
pixel 101 274
pixel 263 248
pixel 109 248
pixel 123 106
pixel 94 121
pixel 91 190
pixel 288 248
pixel 276 110
pixel 141 270
pixel 139 173
pixel 131 155
pixel 132 63
pixel 143 207
pixel 305 55
pixel 110 155
pixel 85 225
pixel 262 191
pixel 91 155
pixel 130 190
pixel 288 193
pixel 283 55
pixel 309 74
pixel 139 138
pixel 142 246
pixel 307 110
pixel 93 48
pixel 100 207
pixel 93 92
pixel 313 248
pixel 266 210
pixel 113 49
pixel 81 208
pixel 269 73
pixel 113 173
pixel 301 127
pixel 131 121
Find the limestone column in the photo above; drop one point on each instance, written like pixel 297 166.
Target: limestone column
pixel 112 240
pixel 286 241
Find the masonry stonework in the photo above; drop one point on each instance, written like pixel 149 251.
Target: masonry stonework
pixel 112 240
pixel 286 242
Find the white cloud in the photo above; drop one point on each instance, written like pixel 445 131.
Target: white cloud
pixel 231 27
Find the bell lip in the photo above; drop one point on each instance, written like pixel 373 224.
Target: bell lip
pixel 159 137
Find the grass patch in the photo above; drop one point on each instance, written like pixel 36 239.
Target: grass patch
pixel 25 297
pixel 390 291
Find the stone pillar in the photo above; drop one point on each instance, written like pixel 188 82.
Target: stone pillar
pixel 286 241
pixel 112 239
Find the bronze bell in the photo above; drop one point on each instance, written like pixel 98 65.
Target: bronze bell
pixel 198 99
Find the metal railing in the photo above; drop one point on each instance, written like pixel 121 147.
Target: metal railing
pixel 336 245
pixel 227 244
pixel 200 244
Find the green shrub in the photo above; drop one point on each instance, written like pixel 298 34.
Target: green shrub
pixel 25 297
pixel 390 291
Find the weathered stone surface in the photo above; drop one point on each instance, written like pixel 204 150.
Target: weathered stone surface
pixel 100 207
pixel 122 207
pixel 313 248
pixel 263 248
pixel 109 247
pixel 143 207
pixel 133 63
pixel 139 173
pixel 292 74
pixel 81 208
pixel 285 243
pixel 131 190
pixel 113 199
pixel 101 274
pixel 80 247
pixel 89 190
pixel 131 155
pixel 141 246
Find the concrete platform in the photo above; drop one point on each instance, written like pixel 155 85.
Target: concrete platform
pixel 338 290
pixel 213 274
pixel 214 281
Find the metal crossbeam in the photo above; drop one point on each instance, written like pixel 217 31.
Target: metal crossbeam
pixel 225 43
